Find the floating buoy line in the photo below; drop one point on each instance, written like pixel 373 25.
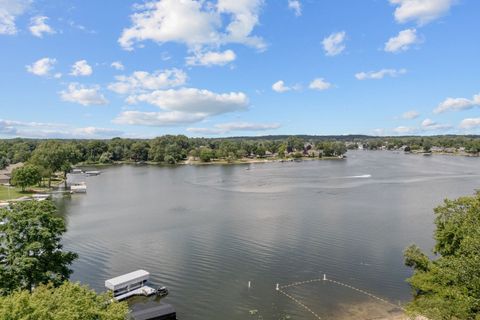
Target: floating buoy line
pixel 281 289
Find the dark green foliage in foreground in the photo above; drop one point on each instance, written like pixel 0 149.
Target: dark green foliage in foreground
pixel 68 301
pixel 26 176
pixel 30 249
pixel 449 287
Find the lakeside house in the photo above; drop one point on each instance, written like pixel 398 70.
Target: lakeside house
pixel 6 174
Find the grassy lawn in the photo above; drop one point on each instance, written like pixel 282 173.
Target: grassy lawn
pixel 13 193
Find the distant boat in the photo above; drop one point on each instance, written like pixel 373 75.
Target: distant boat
pixel 78 188
pixel 92 173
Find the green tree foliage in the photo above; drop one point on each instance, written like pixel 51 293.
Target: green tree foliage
pixel 30 248
pixel 26 176
pixel 449 286
pixel 68 301
pixel 206 154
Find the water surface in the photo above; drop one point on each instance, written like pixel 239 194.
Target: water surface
pixel 205 231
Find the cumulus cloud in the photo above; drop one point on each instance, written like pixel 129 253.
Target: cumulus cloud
pixel 211 58
pixel 83 95
pixel 334 44
pixel 376 75
pixel 296 6
pixel 39 26
pixel 202 23
pixel 280 87
pixel 182 106
pixel 420 11
pixel 9 11
pixel 117 65
pixel 470 123
pixel 81 68
pixel 458 104
pixel 402 41
pixel 320 84
pixel 404 130
pixel 224 128
pixel 53 130
pixel 409 115
pixel 42 67
pixel 158 119
pixel 141 81
pixel 429 124
pixel 194 100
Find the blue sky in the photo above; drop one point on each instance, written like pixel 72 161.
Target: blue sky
pixel 98 69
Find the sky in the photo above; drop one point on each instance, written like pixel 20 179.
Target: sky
pixel 133 69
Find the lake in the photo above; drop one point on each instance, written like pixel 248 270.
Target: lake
pixel 206 231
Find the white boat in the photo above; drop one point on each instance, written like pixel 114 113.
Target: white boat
pixel 92 173
pixel 78 188
pixel 130 284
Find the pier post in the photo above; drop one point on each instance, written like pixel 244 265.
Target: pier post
pixel 324 277
pixel 277 288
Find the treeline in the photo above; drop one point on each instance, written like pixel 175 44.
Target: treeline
pixel 470 144
pixel 59 155
pixel 169 149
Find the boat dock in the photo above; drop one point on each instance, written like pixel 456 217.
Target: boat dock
pixel 130 284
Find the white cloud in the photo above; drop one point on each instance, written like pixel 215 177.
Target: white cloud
pixel 280 87
pixel 211 58
pixel 38 26
pixel 379 132
pixel 296 6
pixel 81 68
pixel 224 128
pixel 404 130
pixel 376 75
pixel 9 11
pixel 83 95
pixel 320 84
pixel 334 43
pixel 429 124
pixel 117 65
pixel 402 41
pixel 421 11
pixel 182 106
pixel 202 23
pixel 53 130
pixel 192 100
pixel 141 81
pixel 158 119
pixel 458 104
pixel 409 115
pixel 42 67
pixel 470 123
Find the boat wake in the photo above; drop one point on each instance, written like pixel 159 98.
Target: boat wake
pixel 363 176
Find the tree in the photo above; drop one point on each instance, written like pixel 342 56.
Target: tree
pixel 30 248
pixel 53 156
pixel 139 151
pixel 206 154
pixel 26 176
pixel 449 286
pixel 68 301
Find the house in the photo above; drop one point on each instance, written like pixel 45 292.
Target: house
pixel 4 179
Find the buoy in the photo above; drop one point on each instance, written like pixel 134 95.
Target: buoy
pixel 277 288
pixel 324 277
pixel 249 284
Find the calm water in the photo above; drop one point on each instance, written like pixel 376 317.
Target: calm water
pixel 205 231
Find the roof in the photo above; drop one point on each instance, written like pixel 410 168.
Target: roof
pixel 134 276
pixel 153 312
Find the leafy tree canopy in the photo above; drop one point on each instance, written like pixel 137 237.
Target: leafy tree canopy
pixel 449 286
pixel 68 301
pixel 30 248
pixel 26 176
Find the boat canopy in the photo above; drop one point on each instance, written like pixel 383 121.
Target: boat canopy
pixel 126 279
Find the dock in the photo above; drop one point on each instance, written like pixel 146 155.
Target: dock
pixel 130 284
pixel 142 291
